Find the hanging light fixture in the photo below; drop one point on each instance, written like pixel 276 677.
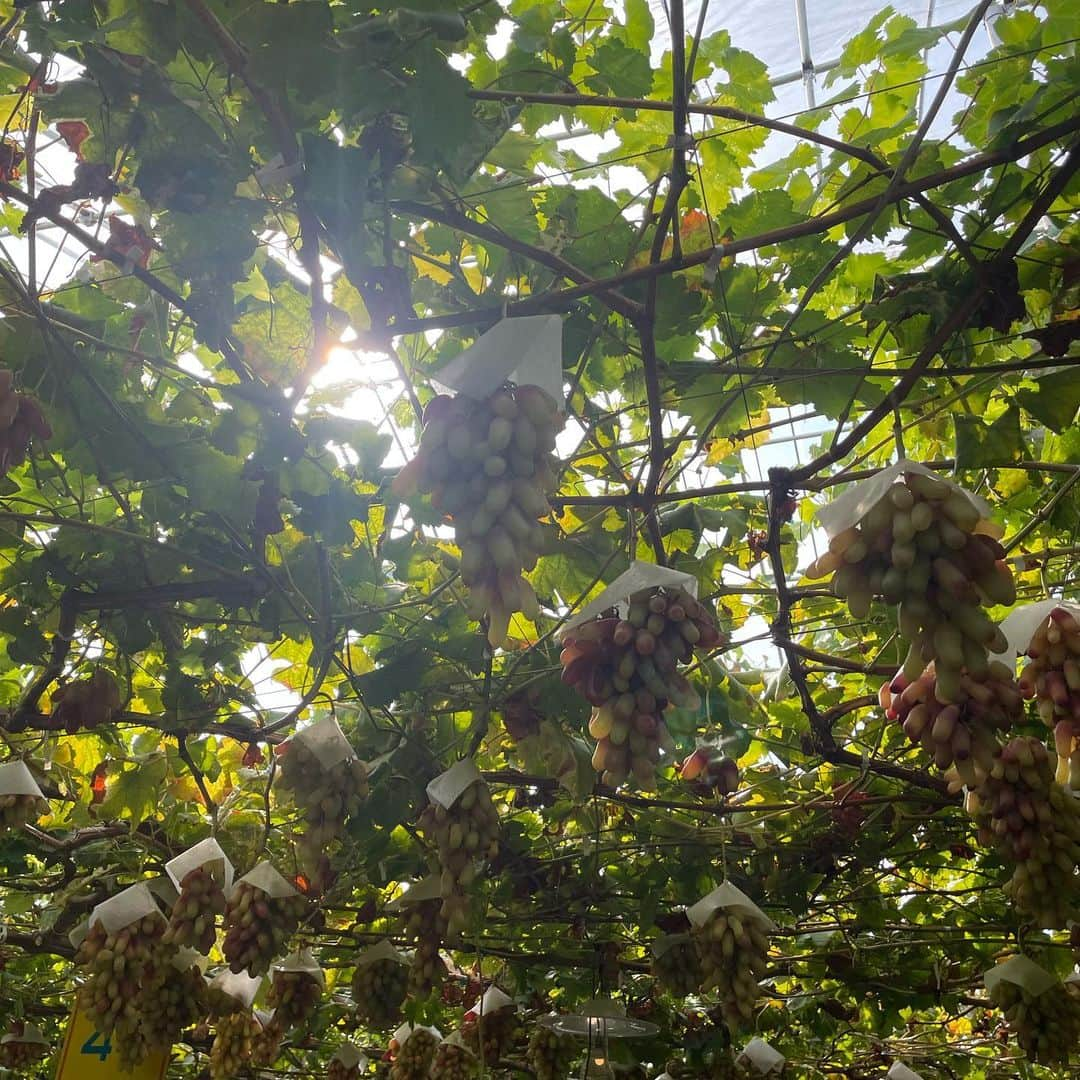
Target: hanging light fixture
pixel 598 1021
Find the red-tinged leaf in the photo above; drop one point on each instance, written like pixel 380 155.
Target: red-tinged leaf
pixel 74 133
pixel 253 756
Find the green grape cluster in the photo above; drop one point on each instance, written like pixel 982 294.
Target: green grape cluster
pixel 180 1002
pixel 918 547
pixel 453 1062
pixel 677 965
pixel 257 926
pixel 412 1059
pixel 426 926
pixel 549 1054
pixel 733 953
pixel 193 922
pixel 119 967
pixel 233 1045
pixel 17 810
pixel 294 996
pixel 1035 823
pixel 1046 1025
pixel 627 669
pixel 379 990
pixel 464 833
pixel 488 465
pixel 958 725
pixel 325 797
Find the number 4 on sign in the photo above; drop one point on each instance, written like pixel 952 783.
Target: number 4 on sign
pixel 87 1054
pixel 92 1046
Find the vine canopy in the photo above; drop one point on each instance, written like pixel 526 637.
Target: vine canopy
pixel 263 582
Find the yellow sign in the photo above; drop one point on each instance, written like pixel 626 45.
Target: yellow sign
pixel 90 1055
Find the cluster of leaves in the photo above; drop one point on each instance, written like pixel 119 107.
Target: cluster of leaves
pixel 213 508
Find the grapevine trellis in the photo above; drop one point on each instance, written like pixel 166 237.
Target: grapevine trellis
pixel 471 812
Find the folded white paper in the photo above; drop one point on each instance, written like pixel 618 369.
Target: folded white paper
pixel 641 575
pixel 448 787
pixel 17 779
pixel 1022 972
pixel 1019 626
pixel 727 896
pixel 847 509
pixel 206 853
pixel 526 351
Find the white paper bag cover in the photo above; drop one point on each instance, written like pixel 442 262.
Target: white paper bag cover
pixel 493 999
pixel 383 950
pixel 238 985
pixel 899 1071
pixel 265 877
pixel 121 910
pixel 1022 972
pixel 302 960
pixel 1019 626
pixel 17 779
pixel 847 509
pixel 448 787
pixel 326 741
pixel 765 1058
pixel 401 1036
pixel 31 1033
pixel 206 853
pixel 640 575
pixel 428 888
pixel 526 351
pixel 727 896
pixel 351 1057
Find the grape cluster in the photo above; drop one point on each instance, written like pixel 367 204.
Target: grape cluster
pixel 119 968
pixel 627 670
pixel 464 833
pixel 1035 823
pixel 257 925
pixel 709 770
pixel 379 990
pixel 219 1003
pixel 234 1043
pixel 676 966
pixel 917 547
pixel 452 1062
pixel 293 996
pixel 733 952
pixel 957 725
pixel 266 1046
pixel 17 810
pixel 177 1003
pixel 325 797
pixel 549 1054
pixel 1053 678
pixel 18 1055
pixel 21 421
pixel 86 703
pixel 1046 1025
pixel 491 1034
pixel 193 921
pixel 412 1059
pixel 338 1070
pixel 425 925
pixel 488 466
